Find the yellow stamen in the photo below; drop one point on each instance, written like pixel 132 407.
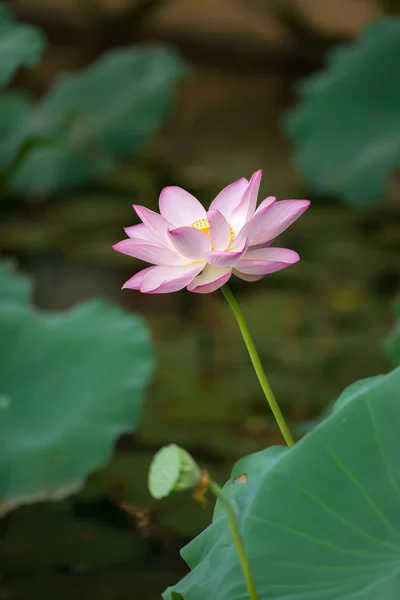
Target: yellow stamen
pixel 204 226
pixel 231 235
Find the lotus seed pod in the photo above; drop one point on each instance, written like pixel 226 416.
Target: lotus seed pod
pixel 172 470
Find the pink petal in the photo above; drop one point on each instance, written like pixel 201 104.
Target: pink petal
pixel 245 277
pixel 140 232
pixel 272 254
pixel 265 261
pixel 134 282
pixel 163 280
pixel 220 233
pixel 179 207
pixel 245 210
pixel 211 279
pixel 229 198
pixel 190 242
pixel 253 193
pixel 143 250
pixel 226 259
pixel 273 221
pixel 266 203
pixel 256 224
pixel 155 223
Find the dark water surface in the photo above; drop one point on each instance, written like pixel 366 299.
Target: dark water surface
pixel 318 327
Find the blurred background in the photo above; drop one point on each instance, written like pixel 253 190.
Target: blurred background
pixel 215 81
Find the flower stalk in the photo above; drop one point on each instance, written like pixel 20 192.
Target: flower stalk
pixel 255 359
pixel 173 470
pixel 237 539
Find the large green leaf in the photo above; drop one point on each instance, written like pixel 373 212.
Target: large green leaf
pixel 52 168
pixel 15 289
pixel 320 520
pixel 70 384
pixel 346 129
pixel 247 467
pixel 392 341
pixel 91 120
pixel 20 45
pixel 15 109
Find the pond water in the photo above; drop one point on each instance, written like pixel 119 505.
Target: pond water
pixel 318 327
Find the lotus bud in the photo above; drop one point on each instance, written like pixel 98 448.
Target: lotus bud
pixel 172 470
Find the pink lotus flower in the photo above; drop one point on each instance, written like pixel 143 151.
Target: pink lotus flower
pixel 200 249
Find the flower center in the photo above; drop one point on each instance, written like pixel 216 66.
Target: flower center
pixel 204 226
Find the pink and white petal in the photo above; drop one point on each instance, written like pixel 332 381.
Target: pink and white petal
pixel 211 279
pixel 279 254
pixel 245 209
pixel 140 232
pixel 226 259
pixel 277 218
pixel 134 282
pixel 256 224
pixel 190 242
pixel 157 255
pixel 254 187
pixel 267 202
pixel 155 223
pixel 164 280
pixel 179 207
pixel 260 246
pixel 250 278
pixel 229 198
pixel 265 261
pixel 220 233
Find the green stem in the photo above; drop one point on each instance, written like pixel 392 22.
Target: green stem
pixel 237 539
pixel 255 359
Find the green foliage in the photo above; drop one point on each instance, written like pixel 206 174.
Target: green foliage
pixel 320 519
pixel 70 384
pixel 250 467
pixel 14 289
pixel 90 121
pixel 346 129
pixel 20 45
pixel 392 341
pixel 15 109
